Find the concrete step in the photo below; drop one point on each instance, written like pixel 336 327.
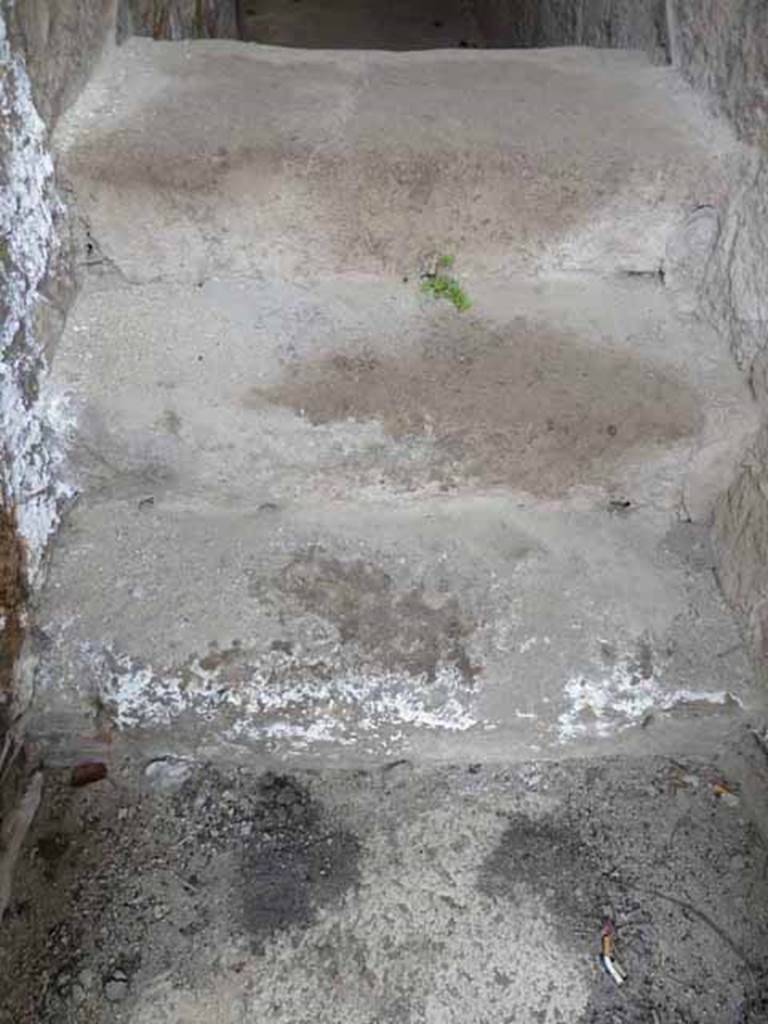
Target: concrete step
pixel 342 522
pixel 326 518
pixel 193 159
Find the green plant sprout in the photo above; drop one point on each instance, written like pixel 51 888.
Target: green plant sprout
pixel 440 284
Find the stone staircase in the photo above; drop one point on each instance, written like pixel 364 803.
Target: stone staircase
pixel 381 657
pixel 325 518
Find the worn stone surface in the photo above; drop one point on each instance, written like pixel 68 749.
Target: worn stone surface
pixel 498 418
pixel 337 169
pixel 331 590
pixel 457 896
pixel 323 515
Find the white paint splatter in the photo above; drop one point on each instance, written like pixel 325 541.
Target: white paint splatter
pixel 611 702
pixel 342 709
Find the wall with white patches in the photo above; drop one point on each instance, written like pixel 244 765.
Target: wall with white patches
pixel 31 215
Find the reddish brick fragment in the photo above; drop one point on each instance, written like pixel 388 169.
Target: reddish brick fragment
pixel 87 772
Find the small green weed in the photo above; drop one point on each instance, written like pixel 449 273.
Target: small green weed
pixel 441 285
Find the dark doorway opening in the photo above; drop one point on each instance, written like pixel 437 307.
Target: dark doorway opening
pixel 362 24
pixel 433 24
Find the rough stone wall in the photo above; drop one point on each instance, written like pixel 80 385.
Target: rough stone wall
pixel 61 40
pixel 721 47
pixel 735 297
pixel 624 24
pixel 47 48
pixel 30 257
pixel 741 530
pixel 179 19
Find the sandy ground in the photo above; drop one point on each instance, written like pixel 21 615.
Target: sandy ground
pixel 181 893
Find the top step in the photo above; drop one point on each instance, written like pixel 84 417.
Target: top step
pixel 222 158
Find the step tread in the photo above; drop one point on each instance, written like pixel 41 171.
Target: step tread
pixel 235 158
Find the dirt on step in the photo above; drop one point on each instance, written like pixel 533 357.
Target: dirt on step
pixel 402 629
pixel 294 862
pixel 529 408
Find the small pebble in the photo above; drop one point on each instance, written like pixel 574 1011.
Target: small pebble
pixel 167 773
pixel 86 978
pixel 115 990
pixel 79 994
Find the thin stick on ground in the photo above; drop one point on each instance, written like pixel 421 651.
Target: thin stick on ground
pixel 706 919
pixel 13 833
